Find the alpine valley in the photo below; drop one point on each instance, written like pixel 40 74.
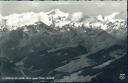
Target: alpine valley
pixel 71 47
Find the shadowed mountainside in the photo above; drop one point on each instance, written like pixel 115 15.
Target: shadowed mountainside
pixel 72 55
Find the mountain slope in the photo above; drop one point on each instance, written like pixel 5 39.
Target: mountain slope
pixel 37 46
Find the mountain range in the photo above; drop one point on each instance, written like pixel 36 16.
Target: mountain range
pixel 59 19
pixel 68 47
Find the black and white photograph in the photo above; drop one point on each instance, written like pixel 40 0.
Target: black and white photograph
pixel 63 41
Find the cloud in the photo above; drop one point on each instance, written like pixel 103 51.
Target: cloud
pixel 26 19
pixel 1 18
pixel 77 16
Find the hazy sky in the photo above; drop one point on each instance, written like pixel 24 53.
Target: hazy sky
pixel 87 7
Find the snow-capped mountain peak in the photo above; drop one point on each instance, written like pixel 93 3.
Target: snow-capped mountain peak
pixel 111 17
pixel 100 18
pixel 55 11
pixel 59 19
